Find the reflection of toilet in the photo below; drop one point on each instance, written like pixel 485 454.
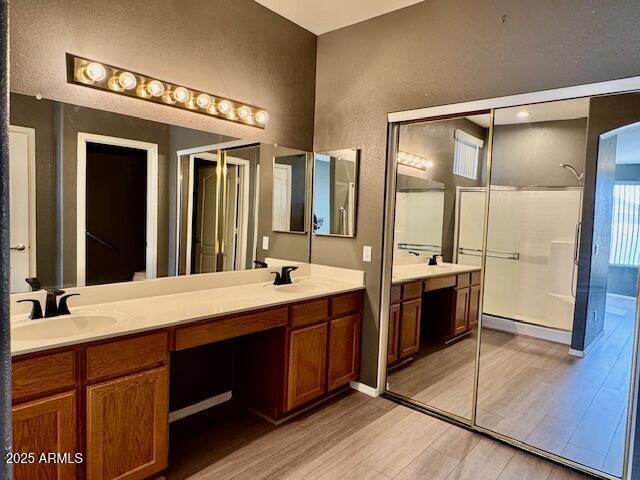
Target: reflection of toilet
pixel 137 276
pixel 559 302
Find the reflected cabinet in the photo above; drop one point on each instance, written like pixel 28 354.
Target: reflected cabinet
pixel 513 255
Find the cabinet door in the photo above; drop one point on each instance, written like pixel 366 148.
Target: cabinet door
pixel 392 337
pixel 127 423
pixel 45 426
pixel 344 351
pixel 307 365
pixel 409 338
pixel 474 306
pixel 460 312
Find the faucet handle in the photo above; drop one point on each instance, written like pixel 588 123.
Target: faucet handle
pixel 63 308
pixel 36 311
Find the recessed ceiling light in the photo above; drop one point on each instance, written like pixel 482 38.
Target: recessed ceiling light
pixel 522 114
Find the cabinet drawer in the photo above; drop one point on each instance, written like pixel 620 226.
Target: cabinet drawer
pixel 411 290
pixel 475 278
pixel 439 283
pixel 396 293
pixel 464 280
pixel 126 356
pixel 229 327
pixel 309 313
pixel 45 374
pixel 345 304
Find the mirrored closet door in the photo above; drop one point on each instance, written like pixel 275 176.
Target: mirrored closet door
pixel 435 291
pixel 546 262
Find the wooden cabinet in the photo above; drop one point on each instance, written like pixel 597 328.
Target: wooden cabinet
pixel 44 426
pixel 460 312
pixel 127 426
pixel 474 306
pixel 306 377
pixel 409 331
pixel 344 351
pixel 392 335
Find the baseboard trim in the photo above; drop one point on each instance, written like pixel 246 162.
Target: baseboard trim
pixel 366 389
pixel 576 353
pixel 526 329
pixel 200 406
pixel 583 353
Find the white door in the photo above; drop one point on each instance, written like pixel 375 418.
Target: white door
pixel 22 204
pixel 282 198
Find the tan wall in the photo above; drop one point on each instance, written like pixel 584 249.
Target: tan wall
pixel 446 51
pixel 235 48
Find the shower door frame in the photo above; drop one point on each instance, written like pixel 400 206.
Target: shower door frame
pixel 395 120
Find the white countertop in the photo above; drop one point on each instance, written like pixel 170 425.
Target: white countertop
pixel 421 271
pixel 155 312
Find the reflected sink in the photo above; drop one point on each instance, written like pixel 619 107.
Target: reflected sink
pixel 302 288
pixel 64 326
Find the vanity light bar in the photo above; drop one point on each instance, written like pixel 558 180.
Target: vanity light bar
pixel 415 161
pixel 90 73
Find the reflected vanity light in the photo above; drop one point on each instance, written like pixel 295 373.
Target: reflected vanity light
pixel 415 161
pixel 90 73
pixel 522 114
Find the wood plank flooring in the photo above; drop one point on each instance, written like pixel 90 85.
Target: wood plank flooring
pixel 534 391
pixel 354 437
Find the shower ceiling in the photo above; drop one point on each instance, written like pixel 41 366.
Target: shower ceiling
pixel 541 112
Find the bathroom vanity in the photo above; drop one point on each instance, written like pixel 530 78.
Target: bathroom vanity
pixel 107 396
pixel 439 302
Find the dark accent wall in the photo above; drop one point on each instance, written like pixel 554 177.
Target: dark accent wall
pixel 531 153
pixel 605 114
pixel 233 48
pixel 440 52
pixel 5 343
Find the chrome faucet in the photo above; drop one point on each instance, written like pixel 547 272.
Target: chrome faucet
pixel 284 277
pixel 53 307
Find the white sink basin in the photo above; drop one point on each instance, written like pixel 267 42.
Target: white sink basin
pixel 310 288
pixel 64 326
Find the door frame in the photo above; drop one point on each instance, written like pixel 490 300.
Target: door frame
pixel 244 211
pixel 394 121
pixel 81 193
pixel 31 187
pixel 289 170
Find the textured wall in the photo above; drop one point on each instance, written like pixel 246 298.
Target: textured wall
pixel 235 48
pixel 446 51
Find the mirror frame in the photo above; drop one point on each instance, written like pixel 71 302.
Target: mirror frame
pixel 355 201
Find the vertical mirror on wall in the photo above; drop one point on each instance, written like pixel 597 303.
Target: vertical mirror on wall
pixel 562 258
pixel 437 246
pixel 335 189
pixel 289 213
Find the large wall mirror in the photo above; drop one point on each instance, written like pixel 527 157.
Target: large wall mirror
pixel 99 197
pixel 545 260
pixel 289 206
pixel 335 192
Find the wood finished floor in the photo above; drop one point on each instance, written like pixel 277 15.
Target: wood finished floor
pixel 534 391
pixel 354 437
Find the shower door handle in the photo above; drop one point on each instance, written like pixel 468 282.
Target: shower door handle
pixel 576 241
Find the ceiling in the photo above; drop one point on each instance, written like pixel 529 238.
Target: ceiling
pixel 540 112
pixel 322 16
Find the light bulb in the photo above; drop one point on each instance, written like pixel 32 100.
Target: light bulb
pixel 142 91
pixel 155 88
pixel 190 104
pixel 212 109
pixel 127 80
pixel 231 115
pixel 522 114
pixel 244 113
pixel 225 106
pixel 167 97
pixel 114 85
pixel 95 71
pixel 180 94
pixel 262 117
pixel 203 100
